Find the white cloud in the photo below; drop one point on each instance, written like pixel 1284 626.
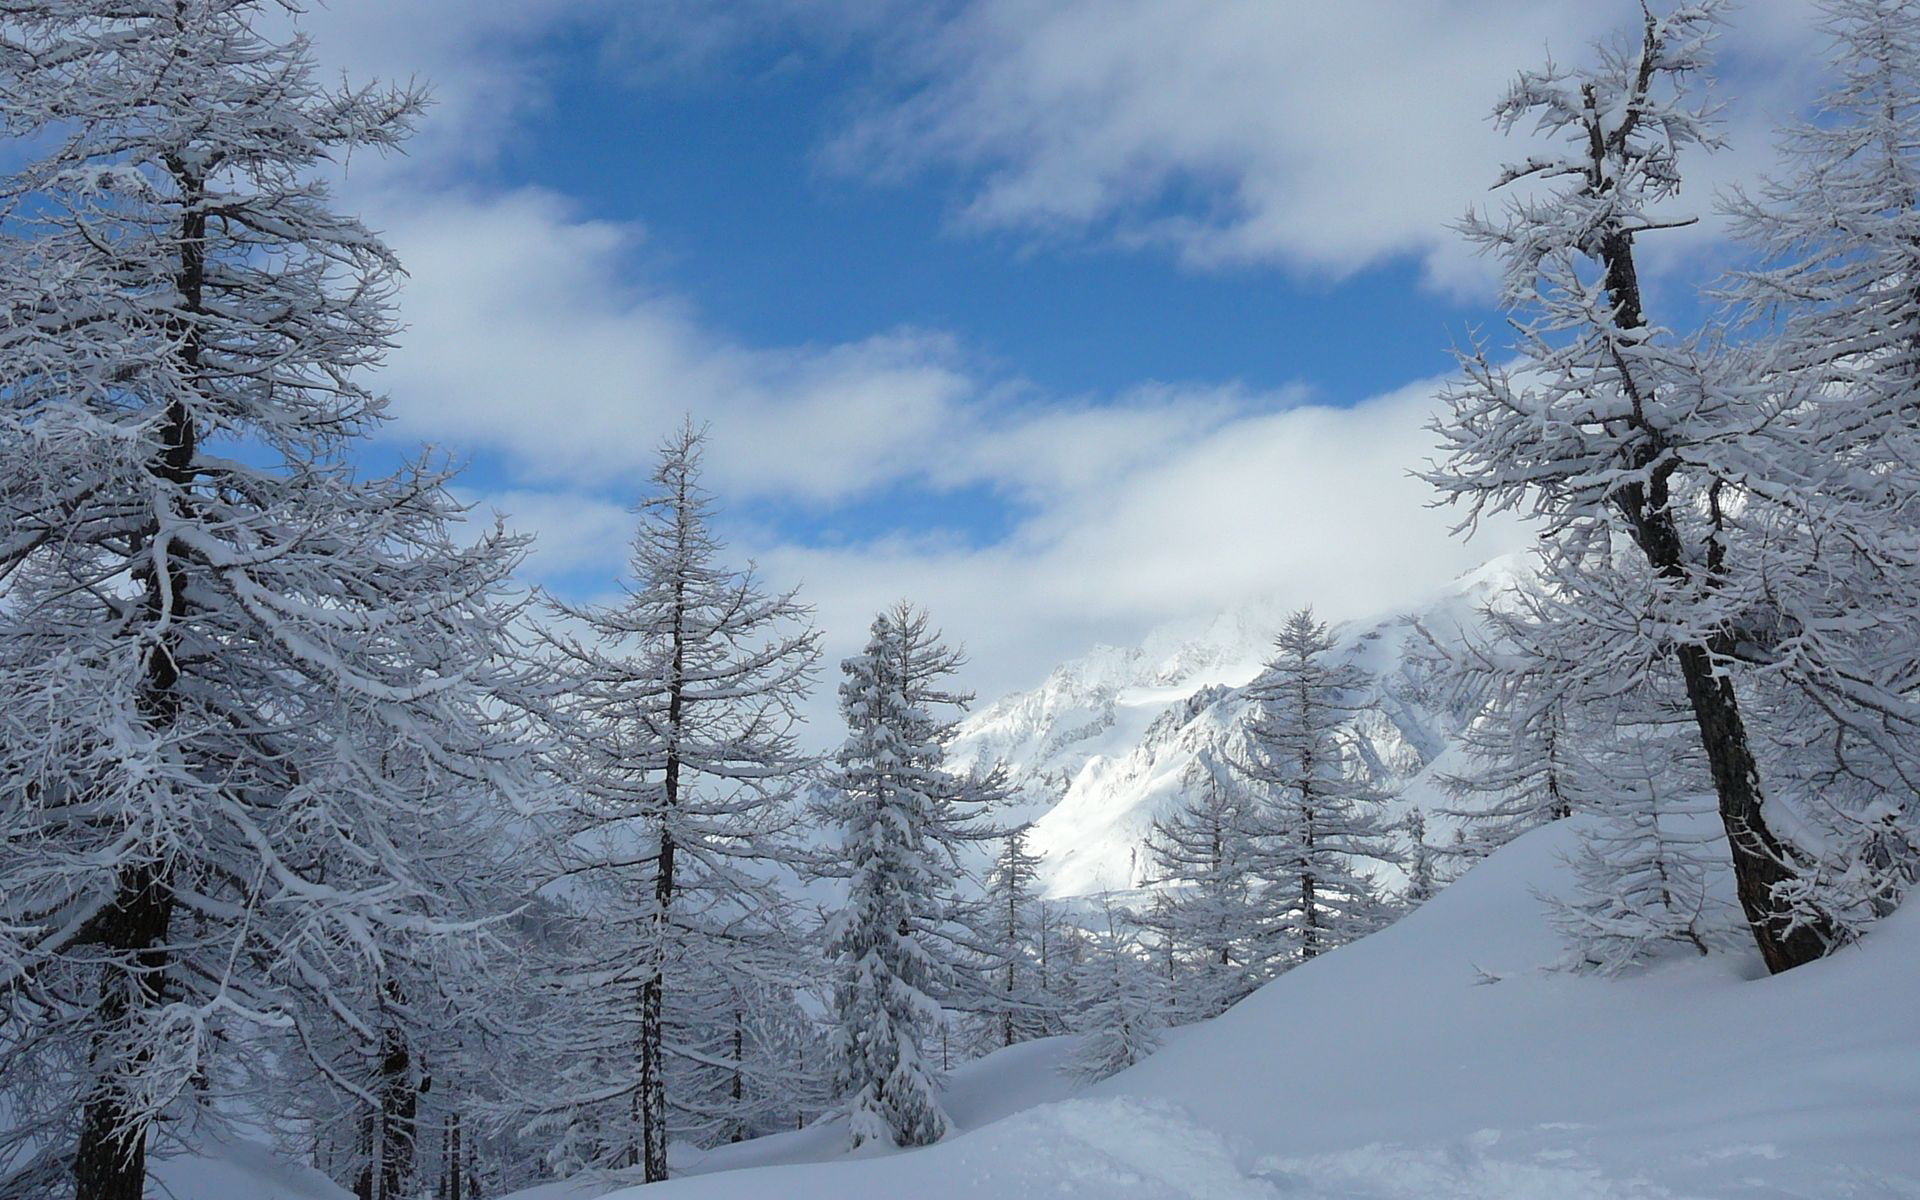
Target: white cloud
pixel 530 341
pixel 1306 505
pixel 1323 137
pixel 1302 134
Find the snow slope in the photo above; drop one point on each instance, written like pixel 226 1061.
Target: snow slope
pixel 1436 1060
pixel 1108 742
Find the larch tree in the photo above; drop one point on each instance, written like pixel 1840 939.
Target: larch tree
pixel 1634 446
pixel 1523 753
pixel 1116 1002
pixel 1834 311
pixel 1423 882
pixel 902 816
pixel 213 631
pixel 674 737
pixel 1011 919
pixel 1209 915
pixel 1319 816
pixel 1645 872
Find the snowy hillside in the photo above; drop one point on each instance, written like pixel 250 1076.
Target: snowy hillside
pixel 1109 741
pixel 1436 1060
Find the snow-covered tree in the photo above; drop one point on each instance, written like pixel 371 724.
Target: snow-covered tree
pixel 674 734
pixel 1661 484
pixel 1836 350
pixel 1012 922
pixel 1422 880
pixel 1523 764
pixel 1319 814
pixel 1117 1003
pixel 902 816
pixel 1646 863
pixel 213 629
pixel 1208 917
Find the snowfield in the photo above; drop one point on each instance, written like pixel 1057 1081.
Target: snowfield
pixel 1431 1061
pixel 1436 1059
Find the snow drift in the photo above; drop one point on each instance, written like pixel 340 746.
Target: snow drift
pixel 1437 1059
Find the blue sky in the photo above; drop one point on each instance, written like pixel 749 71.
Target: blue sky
pixel 1066 318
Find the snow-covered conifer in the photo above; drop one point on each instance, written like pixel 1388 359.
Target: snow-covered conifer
pixel 1646 861
pixel 1012 922
pixel 1422 880
pixel 897 953
pixel 674 735
pixel 1629 443
pixel 1117 1005
pixel 1208 916
pixel 1522 754
pixel 213 629
pixel 1319 814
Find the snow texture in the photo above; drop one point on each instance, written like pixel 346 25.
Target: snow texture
pixel 1445 1062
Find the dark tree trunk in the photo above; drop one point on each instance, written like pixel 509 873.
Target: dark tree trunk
pixel 394 1128
pixel 110 1160
pixel 454 1165
pixel 653 1086
pixel 1760 862
pixel 739 1133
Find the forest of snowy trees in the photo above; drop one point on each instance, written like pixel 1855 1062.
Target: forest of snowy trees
pixel 314 820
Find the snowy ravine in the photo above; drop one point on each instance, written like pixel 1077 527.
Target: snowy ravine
pixel 1108 742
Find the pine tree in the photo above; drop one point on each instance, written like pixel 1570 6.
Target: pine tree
pixel 213 630
pixel 1208 917
pixel 1116 1004
pixel 1319 814
pixel 1011 920
pixel 1423 882
pixel 1630 444
pixel 675 736
pixel 896 952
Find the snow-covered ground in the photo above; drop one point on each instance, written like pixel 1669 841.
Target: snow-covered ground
pixel 1434 1060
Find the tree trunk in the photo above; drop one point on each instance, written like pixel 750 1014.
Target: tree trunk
pixel 739 1132
pixel 110 1161
pixel 1760 862
pixel 653 1086
pixel 454 1165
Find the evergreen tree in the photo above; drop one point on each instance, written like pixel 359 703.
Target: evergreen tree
pixel 1523 752
pixel 1209 918
pixel 1012 921
pixel 674 734
pixel 1116 1009
pixel 1319 815
pixel 213 630
pixel 902 818
pixel 1422 881
pixel 1643 872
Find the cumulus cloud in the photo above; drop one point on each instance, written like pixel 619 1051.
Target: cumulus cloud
pixel 1308 504
pixel 1323 137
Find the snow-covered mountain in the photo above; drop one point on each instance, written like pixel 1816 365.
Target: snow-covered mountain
pixel 1112 740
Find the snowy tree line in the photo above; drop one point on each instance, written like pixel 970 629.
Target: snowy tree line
pixel 313 823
